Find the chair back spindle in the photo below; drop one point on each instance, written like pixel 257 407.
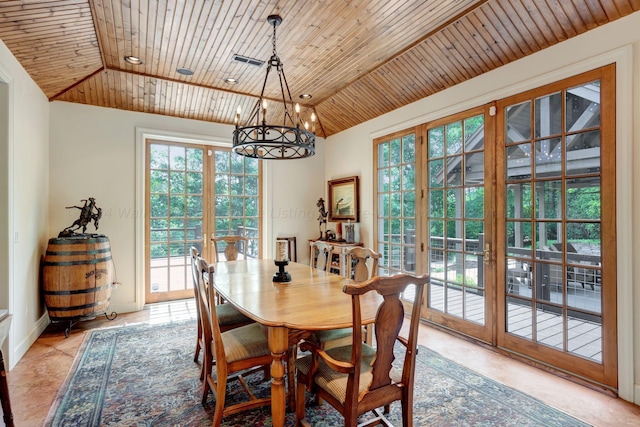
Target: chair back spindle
pixel 357 260
pixel 232 246
pixel 321 255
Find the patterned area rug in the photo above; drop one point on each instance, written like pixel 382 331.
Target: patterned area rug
pixel 144 375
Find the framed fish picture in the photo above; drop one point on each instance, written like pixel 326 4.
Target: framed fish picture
pixel 344 199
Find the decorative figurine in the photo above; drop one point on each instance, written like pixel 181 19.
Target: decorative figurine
pixel 322 217
pixel 89 212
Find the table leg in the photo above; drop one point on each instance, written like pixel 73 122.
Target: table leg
pixel 278 344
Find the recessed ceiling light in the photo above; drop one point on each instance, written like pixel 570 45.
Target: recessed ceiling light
pixel 305 96
pixel 134 60
pixel 185 71
pixel 231 81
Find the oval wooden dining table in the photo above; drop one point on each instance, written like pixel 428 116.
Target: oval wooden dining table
pixel 312 300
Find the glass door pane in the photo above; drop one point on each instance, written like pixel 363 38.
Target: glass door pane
pixel 456 233
pixel 396 206
pixel 237 200
pixel 175 218
pixel 556 223
pixel 553 220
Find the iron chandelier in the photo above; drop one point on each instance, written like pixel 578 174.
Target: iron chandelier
pixel 291 139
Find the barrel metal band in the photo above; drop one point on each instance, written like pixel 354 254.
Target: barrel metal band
pixel 72 253
pixel 80 291
pixel 75 307
pixel 81 262
pixel 77 240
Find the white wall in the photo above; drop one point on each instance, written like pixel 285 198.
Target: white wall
pixel 24 195
pixel 295 187
pixel 94 154
pixel 351 151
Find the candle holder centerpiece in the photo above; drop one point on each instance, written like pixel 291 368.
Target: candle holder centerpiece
pixel 282 260
pixel 282 275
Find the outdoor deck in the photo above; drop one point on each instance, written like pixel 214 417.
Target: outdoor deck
pixel 584 336
pixel 172 273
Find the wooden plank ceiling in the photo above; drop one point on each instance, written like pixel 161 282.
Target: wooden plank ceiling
pixel 359 59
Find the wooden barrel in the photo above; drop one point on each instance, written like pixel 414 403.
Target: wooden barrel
pixel 77 277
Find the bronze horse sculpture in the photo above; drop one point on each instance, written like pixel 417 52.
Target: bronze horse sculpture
pixel 89 212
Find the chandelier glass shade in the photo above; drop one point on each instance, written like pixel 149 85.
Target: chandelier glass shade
pixel 289 139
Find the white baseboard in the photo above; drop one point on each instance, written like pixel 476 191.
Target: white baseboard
pixel 636 394
pixel 20 349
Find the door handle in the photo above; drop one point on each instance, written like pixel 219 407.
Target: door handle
pixel 487 254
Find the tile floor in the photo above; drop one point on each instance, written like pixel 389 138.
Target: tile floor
pixel 36 378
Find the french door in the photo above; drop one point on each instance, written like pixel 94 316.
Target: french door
pixel 193 193
pixel 556 229
pixel 510 208
pixel 458 230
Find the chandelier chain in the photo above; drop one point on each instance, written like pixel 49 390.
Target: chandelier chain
pixel 273 40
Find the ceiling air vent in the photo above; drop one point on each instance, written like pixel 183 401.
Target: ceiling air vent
pixel 247 60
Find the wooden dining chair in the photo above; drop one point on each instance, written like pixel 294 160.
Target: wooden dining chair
pixel 362 263
pixel 359 378
pixel 228 316
pixel 229 245
pixel 359 268
pixel 237 352
pixel 195 278
pixel 321 253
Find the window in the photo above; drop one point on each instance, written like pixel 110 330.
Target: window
pixel 396 203
pixel 237 198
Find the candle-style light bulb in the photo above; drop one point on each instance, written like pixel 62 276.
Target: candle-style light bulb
pixel 264 110
pixel 238 111
pixel 306 125
pixel 297 114
pixel 313 122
